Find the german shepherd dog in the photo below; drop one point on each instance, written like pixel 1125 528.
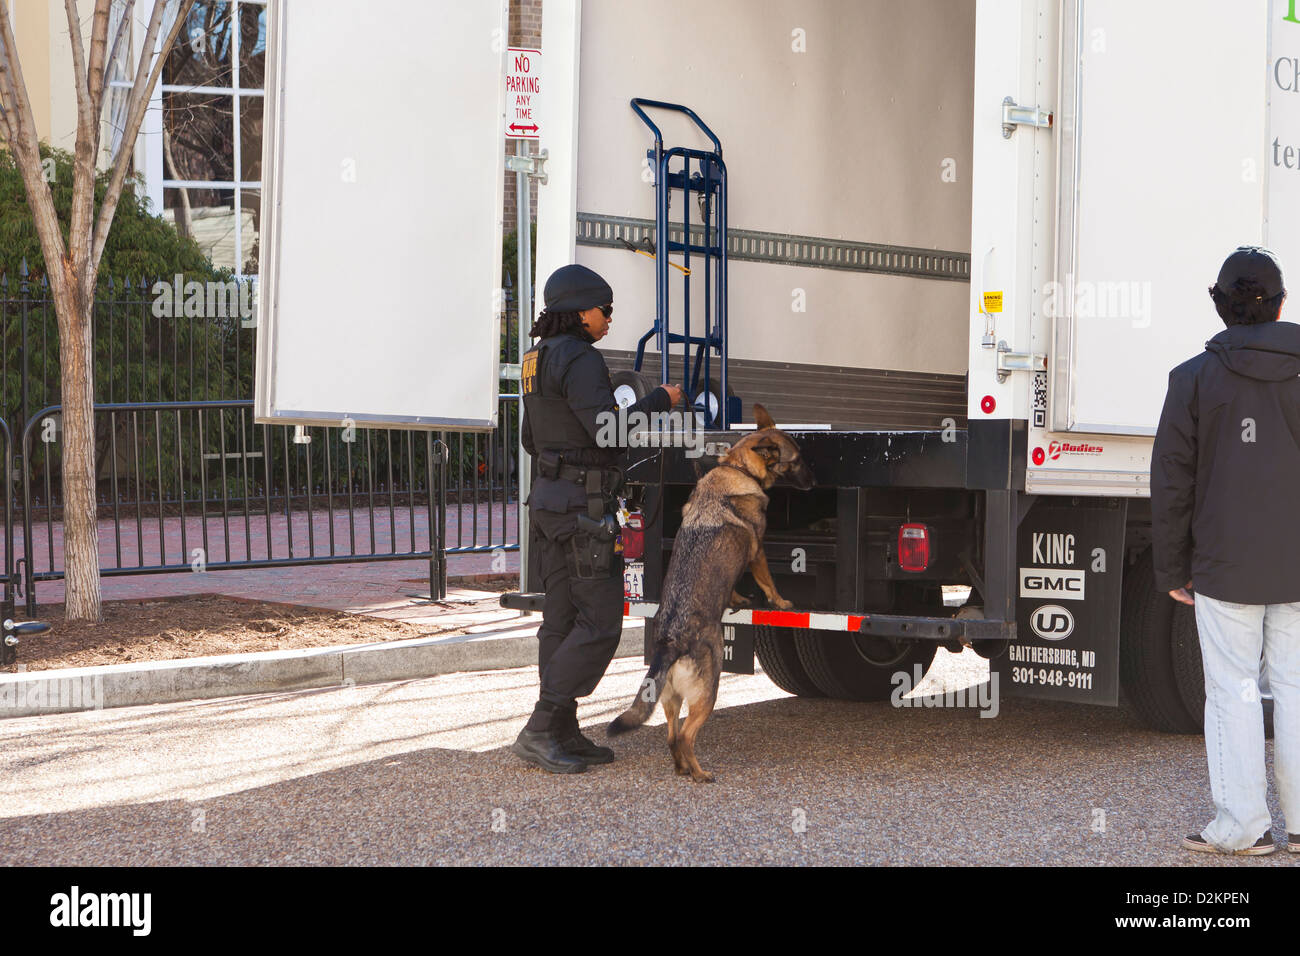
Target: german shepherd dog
pixel 721 534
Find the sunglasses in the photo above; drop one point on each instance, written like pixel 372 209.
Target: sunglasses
pixel 607 310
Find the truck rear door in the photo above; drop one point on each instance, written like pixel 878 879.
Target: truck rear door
pixel 1094 239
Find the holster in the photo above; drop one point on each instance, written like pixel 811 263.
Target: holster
pixel 595 542
pixel 591 554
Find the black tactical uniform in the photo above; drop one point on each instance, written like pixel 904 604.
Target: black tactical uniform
pixel 566 389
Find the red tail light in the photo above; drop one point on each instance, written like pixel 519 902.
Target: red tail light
pixel 913 547
pixel 634 537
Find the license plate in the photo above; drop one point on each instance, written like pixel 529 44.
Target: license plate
pixel 634 580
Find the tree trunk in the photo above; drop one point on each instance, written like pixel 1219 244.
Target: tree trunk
pixel 74 265
pixel 80 531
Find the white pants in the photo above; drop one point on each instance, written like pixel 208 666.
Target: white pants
pixel 1233 637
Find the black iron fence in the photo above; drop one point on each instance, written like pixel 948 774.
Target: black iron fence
pixel 186 479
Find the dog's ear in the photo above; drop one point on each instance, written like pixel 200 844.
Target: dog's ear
pixel 761 418
pixel 769 449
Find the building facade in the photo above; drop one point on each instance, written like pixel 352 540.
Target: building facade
pixel 199 152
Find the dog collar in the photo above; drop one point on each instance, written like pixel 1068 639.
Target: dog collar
pixel 743 471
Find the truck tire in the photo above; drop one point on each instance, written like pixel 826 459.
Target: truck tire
pixel 779 658
pixel 1189 669
pixel 1146 653
pixel 857 667
pixel 1189 672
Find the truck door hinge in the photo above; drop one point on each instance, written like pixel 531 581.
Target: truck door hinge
pixel 1009 361
pixel 534 166
pixel 1013 116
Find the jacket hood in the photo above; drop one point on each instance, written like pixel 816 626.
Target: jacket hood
pixel 1268 352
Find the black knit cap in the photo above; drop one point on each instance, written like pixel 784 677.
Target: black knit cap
pixel 1252 265
pixel 574 288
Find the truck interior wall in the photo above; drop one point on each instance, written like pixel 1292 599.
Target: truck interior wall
pixel 864 134
pixel 844 398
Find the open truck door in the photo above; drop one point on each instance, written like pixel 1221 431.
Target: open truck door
pixel 1092 248
pixel 380 301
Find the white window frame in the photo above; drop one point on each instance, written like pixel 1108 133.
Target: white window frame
pixel 148 146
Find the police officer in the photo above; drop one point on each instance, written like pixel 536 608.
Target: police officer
pixel 567 394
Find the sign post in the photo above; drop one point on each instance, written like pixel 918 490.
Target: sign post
pixel 523 98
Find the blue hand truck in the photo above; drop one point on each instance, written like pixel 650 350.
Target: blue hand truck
pixel 702 174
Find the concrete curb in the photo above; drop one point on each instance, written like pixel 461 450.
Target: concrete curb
pixel 231 675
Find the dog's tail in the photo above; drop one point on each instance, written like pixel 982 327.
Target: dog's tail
pixel 647 695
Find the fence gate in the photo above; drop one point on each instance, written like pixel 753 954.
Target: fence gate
pixel 11 630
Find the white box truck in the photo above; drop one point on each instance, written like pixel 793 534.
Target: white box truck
pixel 970 237
pixel 967 238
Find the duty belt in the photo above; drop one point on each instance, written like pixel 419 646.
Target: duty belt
pixel 598 481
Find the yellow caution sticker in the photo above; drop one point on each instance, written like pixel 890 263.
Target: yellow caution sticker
pixel 992 302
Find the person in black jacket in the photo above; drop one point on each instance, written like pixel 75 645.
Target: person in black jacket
pixel 1225 517
pixel 567 393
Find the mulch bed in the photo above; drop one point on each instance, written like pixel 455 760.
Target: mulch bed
pixel 196 626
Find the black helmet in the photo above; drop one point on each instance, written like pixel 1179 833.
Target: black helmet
pixel 574 288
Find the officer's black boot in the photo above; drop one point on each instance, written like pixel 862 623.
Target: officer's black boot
pixel 539 742
pixel 572 740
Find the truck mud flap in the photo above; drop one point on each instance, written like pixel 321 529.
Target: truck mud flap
pixel 1069 570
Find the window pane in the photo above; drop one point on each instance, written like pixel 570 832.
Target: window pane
pixel 199 140
pixel 252 46
pixel 201 56
pixel 207 216
pixel 250 200
pixel 250 138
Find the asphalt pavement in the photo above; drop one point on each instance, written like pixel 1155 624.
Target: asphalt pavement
pixel 418 772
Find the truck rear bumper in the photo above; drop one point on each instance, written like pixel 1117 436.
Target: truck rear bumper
pixel 879 625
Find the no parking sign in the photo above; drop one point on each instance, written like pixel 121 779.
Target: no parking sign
pixel 523 93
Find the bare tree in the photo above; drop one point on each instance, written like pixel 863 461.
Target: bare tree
pixel 73 266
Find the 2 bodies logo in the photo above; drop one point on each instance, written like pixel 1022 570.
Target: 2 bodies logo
pixel 1056 449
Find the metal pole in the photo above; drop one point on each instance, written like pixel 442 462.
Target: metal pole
pixel 524 319
pixel 661 265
